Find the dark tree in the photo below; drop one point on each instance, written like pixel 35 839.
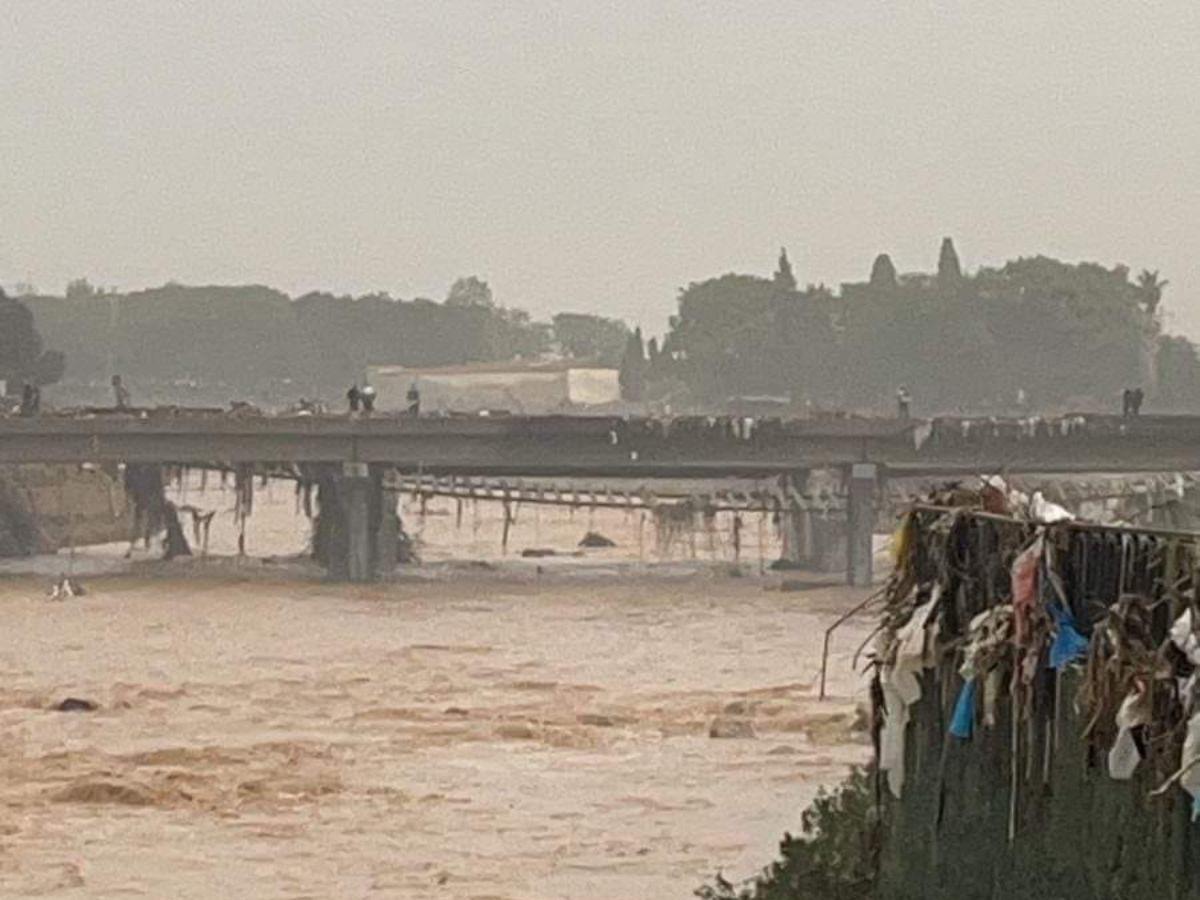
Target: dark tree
pixel 593 338
pixel 470 292
pixel 1178 370
pixel 80 289
pixel 784 277
pixel 883 273
pixel 633 367
pixel 1070 335
pixel 22 357
pixel 949 270
pixel 1152 290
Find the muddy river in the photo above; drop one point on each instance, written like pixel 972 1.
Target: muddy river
pixel 506 729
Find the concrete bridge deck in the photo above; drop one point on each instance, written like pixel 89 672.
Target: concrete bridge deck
pixel 607 447
pixel 561 446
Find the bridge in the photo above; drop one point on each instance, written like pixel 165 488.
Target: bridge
pixel 609 446
pixel 354 452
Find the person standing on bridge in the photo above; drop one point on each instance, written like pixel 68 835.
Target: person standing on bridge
pixel 120 392
pixel 1131 402
pixel 414 400
pixel 903 402
pixel 354 398
pixel 31 400
pixel 367 395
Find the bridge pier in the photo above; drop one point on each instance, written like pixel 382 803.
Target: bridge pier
pixel 812 538
pixel 356 506
pixel 387 532
pixel 796 521
pixel 358 528
pixel 862 483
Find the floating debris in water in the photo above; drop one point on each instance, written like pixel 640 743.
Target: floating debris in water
pixel 75 704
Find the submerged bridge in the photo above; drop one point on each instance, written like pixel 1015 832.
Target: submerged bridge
pixel 865 452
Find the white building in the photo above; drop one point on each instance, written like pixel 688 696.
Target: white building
pixel 517 387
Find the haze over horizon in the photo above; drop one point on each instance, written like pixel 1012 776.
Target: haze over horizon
pixel 592 157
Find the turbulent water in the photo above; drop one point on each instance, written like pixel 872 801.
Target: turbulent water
pixel 465 732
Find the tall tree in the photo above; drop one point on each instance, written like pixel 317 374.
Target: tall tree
pixel 883 272
pixel 784 277
pixel 1152 290
pixel 948 270
pixel 633 367
pixel 652 352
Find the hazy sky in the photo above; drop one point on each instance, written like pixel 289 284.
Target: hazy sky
pixel 592 156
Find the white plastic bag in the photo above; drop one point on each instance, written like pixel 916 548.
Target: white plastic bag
pixel 1124 756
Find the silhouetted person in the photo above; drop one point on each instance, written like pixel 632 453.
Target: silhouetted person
pixel 120 392
pixel 1127 402
pixel 903 402
pixel 1136 398
pixel 367 395
pixel 354 398
pixel 414 400
pixel 31 400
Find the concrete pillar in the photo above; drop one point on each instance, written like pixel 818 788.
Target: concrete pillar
pixel 860 523
pixel 829 540
pixel 802 531
pixel 387 535
pixel 356 499
pixel 795 525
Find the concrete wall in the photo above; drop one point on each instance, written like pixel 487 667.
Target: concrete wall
pixel 515 390
pixel 593 387
pixel 61 505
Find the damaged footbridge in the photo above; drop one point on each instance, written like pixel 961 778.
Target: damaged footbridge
pixel 353 464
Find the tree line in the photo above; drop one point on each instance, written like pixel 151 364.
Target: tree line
pixel 1035 333
pixel 212 344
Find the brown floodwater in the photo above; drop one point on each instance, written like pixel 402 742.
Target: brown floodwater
pixel 465 732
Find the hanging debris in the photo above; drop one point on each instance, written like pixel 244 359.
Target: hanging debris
pixel 174 542
pixel 243 503
pixel 147 495
pixel 1006 608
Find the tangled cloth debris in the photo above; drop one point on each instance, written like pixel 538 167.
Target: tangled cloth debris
pixel 1010 605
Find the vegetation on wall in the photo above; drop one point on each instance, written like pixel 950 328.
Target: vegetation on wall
pixel 833 858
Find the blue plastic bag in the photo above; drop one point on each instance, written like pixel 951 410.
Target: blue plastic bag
pixel 962 723
pixel 1068 645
